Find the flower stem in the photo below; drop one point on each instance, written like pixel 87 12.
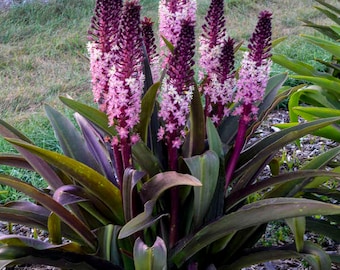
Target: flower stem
pixel 173 237
pixel 119 164
pixel 239 143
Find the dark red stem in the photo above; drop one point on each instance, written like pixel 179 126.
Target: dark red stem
pixel 173 237
pixel 239 143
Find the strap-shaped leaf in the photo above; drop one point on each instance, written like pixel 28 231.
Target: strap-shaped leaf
pixel 330 46
pixel 95 116
pixel 100 150
pixel 254 157
pixel 250 215
pixel 39 165
pixel 70 140
pixel 329 83
pixel 94 182
pixel 148 104
pixel 26 213
pixel 286 178
pixel 315 256
pixel 150 193
pixel 194 145
pixel 18 250
pixel 53 206
pixel 146 159
pixel 298 226
pixel 323 227
pixel 15 160
pixel 205 168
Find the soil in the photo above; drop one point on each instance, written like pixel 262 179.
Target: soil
pixel 311 146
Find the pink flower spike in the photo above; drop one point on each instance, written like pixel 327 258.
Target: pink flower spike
pixel 177 88
pixel 103 37
pixel 127 80
pixel 255 68
pixel 171 15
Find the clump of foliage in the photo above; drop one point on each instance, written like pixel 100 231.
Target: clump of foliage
pixel 322 94
pixel 159 176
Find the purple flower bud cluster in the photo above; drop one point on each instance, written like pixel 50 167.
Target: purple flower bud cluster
pixel 177 88
pixel 171 15
pixel 254 71
pixel 150 47
pixel 126 75
pixel 102 36
pixel 217 63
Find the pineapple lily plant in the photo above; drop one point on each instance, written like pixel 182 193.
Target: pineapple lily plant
pixel 161 175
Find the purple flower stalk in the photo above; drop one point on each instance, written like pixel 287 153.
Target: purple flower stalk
pixel 103 35
pixel 151 49
pixel 217 63
pixel 251 85
pixel 177 89
pixel 175 98
pixel 126 82
pixel 171 15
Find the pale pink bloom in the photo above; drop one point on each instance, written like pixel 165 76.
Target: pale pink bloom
pixel 171 15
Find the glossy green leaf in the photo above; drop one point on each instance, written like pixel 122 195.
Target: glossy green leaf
pixel 296 66
pixel 150 258
pixel 150 193
pixel 254 157
pixel 323 227
pixel 328 45
pixel 95 116
pixel 94 182
pixel 319 112
pixel 148 104
pixel 194 145
pixel 53 206
pixel 54 229
pixel 331 83
pixel 146 159
pixel 215 143
pixel 328 5
pixel 108 246
pixel 298 226
pixel 39 165
pixel 317 258
pixel 250 215
pixel 71 142
pixel 205 168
